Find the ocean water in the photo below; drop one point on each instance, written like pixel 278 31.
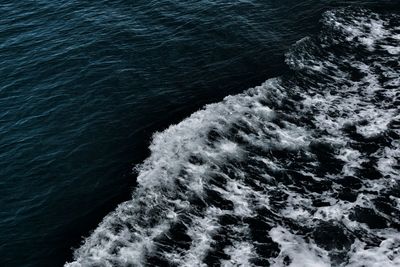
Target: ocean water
pixel 300 170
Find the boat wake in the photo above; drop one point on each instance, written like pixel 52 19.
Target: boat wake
pixel 300 171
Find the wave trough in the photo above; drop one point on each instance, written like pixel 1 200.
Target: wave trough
pixel 300 171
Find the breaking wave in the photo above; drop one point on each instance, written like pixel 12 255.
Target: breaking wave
pixel 300 171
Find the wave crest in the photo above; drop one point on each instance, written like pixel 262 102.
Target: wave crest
pixel 300 171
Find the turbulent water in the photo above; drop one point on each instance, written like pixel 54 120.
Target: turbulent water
pixel 300 171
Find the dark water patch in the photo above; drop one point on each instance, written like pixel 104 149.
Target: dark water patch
pixel 332 236
pixel 368 216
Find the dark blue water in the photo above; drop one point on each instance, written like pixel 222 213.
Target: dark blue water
pixel 84 85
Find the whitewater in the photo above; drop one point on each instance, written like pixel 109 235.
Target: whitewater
pixel 302 170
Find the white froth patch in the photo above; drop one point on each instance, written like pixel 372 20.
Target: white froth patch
pixel 297 207
pixel 394 50
pixel 377 32
pixel 200 232
pixel 243 197
pixel 270 164
pixel 366 30
pixel 229 148
pixel 387 254
pixel 300 253
pixel 378 121
pixel 132 245
pixel 239 195
pixel 339 210
pixel 352 158
pixel 263 112
pixel 336 212
pixel 389 160
pixel 240 254
pixel 293 137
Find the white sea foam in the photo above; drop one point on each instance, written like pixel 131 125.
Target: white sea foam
pixel 240 254
pixel 256 178
pixel 387 254
pixel 299 252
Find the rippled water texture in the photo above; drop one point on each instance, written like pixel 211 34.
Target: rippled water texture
pixel 300 171
pixel 303 169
